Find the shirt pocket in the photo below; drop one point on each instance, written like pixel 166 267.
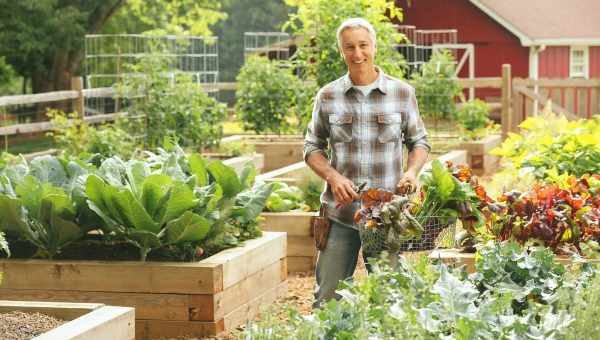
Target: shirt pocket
pixel 341 128
pixel 389 127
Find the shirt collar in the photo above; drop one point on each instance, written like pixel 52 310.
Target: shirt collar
pixel 381 82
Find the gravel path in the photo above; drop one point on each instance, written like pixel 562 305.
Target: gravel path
pixel 18 325
pixel 299 296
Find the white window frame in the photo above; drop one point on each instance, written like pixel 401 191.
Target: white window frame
pixel 586 62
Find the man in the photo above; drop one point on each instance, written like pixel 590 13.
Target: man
pixel 367 117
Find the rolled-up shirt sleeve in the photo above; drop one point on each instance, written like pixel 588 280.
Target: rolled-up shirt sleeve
pixel 415 134
pixel 317 132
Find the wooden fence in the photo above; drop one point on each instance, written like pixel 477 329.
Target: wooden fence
pixel 520 98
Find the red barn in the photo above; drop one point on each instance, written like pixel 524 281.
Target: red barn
pixel 539 38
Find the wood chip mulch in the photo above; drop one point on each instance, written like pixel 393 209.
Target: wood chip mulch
pixel 19 326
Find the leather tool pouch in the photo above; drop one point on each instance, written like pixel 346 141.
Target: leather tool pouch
pixel 321 226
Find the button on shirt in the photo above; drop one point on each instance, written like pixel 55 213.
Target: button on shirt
pixel 365 134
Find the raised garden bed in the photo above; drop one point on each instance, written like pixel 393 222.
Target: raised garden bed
pixel 478 153
pixel 301 250
pixel 85 320
pixel 279 151
pixel 171 298
pixel 456 257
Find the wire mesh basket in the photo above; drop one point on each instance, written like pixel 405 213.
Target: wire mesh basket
pixel 438 232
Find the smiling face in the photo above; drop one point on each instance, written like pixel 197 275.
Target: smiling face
pixel 358 50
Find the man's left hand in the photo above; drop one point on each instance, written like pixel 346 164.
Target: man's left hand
pixel 407 184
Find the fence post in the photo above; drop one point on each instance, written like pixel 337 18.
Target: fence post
pixel 78 103
pixel 506 118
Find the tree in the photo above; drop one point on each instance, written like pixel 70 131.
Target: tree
pixel 317 21
pixel 245 16
pixel 7 75
pixel 43 40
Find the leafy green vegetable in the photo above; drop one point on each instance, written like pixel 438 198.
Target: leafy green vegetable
pixel 416 299
pixel 42 213
pixel 142 206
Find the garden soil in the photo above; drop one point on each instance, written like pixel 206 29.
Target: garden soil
pixel 19 326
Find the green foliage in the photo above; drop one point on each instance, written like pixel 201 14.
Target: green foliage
pixel 171 106
pixel 317 22
pixel 236 148
pixel 418 300
pixel 244 16
pixel 74 136
pixel 526 274
pixel 7 77
pixel 286 198
pixel 177 17
pixel 168 199
pixel 473 115
pixel 43 202
pixel 436 86
pixel 446 195
pixel 312 186
pixel 176 204
pixel 270 98
pixel 550 141
pixel 44 40
pixel 582 302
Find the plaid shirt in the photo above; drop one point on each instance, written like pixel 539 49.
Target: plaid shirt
pixel 365 134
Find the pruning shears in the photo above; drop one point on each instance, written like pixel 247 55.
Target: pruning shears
pixel 358 189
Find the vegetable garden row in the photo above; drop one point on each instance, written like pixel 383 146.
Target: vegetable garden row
pixel 171 205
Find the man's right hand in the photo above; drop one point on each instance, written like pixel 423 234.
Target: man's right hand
pixel 343 189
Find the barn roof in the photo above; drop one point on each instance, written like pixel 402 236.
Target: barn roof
pixel 547 22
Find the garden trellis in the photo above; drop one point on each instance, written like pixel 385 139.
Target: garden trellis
pixel 274 45
pixel 107 54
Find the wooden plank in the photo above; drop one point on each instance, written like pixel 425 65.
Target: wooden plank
pixel 279 154
pixel 147 305
pixel 301 264
pixel 491 82
pixel 239 263
pixel 38 98
pixel 155 329
pixel 253 308
pixel 47 126
pixel 215 307
pixel 60 310
pixel 287 171
pixel 78 103
pixel 301 246
pixel 562 82
pixel 238 163
pixel 294 223
pixel 202 277
pixel 143 277
pixel 105 323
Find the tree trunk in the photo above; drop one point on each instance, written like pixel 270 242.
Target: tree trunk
pixel 66 64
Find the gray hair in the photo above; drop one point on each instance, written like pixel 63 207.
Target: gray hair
pixel 356 23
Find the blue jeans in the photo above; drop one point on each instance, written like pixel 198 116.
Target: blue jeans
pixel 337 262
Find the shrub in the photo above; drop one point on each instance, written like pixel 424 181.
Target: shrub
pixel 318 20
pixel 270 98
pixel 473 115
pixel 169 104
pixel 436 86
pixel 74 136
